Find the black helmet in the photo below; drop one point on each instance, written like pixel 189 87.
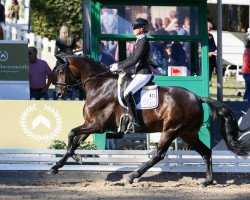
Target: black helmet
pixel 140 22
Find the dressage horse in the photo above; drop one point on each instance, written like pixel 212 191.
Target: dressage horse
pixel 179 114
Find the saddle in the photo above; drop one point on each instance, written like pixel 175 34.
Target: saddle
pixel 145 98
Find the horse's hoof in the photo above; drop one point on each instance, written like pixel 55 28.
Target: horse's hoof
pixel 52 171
pixel 206 183
pixel 77 158
pixel 128 180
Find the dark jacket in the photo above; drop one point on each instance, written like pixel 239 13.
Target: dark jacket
pixel 211 48
pixel 139 58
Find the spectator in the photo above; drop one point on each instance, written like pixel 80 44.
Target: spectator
pixel 158 27
pixel 104 57
pixel 109 23
pixel 2 21
pixel 247 36
pixel 180 30
pixel 66 43
pixel 173 19
pixel 246 71
pixel 111 48
pixel 38 71
pixel 166 23
pixel 158 56
pixel 13 10
pixel 177 54
pixel 186 25
pixel 69 45
pixel 212 52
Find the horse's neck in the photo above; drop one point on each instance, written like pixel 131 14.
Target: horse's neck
pixel 102 82
pixel 92 68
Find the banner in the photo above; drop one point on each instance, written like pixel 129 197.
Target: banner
pixel 177 71
pixel 14 61
pixel 35 124
pixel 14 70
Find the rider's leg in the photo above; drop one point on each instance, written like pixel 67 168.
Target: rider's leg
pixel 137 83
pixel 132 107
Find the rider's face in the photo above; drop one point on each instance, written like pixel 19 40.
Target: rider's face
pixel 138 31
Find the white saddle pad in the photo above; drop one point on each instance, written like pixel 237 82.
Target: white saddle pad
pixel 149 99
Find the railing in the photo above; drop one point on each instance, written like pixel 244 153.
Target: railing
pixel 44 46
pixel 120 160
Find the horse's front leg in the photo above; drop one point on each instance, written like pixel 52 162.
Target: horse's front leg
pixel 76 136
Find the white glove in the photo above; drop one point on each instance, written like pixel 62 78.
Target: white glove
pixel 114 67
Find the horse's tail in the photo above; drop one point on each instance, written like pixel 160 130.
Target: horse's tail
pixel 229 126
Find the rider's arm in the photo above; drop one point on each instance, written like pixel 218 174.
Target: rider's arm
pixel 135 58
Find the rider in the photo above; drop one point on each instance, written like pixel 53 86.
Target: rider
pixel 139 59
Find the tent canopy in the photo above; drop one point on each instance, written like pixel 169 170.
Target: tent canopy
pixel 235 2
pixel 232 48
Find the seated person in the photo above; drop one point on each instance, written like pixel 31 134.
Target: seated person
pixel 105 57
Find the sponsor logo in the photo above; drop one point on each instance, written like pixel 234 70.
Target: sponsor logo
pixel 41 124
pixel 4 55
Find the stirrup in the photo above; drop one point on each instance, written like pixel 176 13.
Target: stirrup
pixel 133 127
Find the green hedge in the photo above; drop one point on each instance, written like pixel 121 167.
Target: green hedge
pixel 59 144
pixel 47 16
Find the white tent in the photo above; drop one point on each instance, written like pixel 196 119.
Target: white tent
pixel 232 48
pixel 235 2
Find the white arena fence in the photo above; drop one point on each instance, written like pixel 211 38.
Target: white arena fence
pixel 119 160
pixel 44 46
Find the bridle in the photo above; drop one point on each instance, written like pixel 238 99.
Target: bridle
pixel 76 80
pixel 67 80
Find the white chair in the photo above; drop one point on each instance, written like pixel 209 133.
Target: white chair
pixel 230 72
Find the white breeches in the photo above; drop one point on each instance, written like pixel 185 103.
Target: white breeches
pixel 137 83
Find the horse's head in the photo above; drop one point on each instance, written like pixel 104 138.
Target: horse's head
pixel 67 79
pixel 61 85
pixel 78 71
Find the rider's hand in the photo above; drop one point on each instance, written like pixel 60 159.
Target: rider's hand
pixel 114 68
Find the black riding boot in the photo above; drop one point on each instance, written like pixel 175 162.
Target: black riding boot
pixel 132 107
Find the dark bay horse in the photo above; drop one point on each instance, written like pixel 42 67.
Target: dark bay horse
pixel 179 114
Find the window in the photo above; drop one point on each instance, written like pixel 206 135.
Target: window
pixel 162 19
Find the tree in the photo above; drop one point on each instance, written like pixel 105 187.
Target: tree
pixel 47 16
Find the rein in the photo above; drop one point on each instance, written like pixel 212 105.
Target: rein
pixel 69 87
pixel 86 81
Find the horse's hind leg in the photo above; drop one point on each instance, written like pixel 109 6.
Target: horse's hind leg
pixel 193 141
pixel 159 155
